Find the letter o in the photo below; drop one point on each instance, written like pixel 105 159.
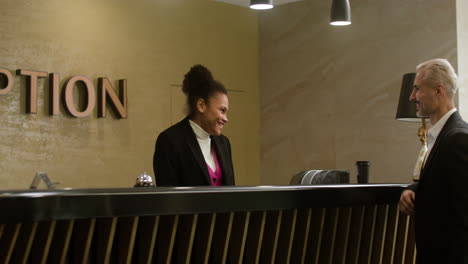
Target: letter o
pixel 91 97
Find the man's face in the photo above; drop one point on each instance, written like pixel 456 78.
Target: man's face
pixel 424 96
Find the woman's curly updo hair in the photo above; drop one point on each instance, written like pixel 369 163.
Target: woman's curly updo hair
pixel 199 84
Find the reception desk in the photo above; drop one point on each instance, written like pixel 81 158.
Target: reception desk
pixel 262 224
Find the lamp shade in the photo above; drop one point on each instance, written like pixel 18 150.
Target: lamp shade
pixel 406 109
pixel 261 4
pixel 340 13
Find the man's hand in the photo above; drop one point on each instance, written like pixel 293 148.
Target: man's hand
pixel 407 202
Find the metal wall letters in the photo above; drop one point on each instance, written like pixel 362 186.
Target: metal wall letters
pixel 106 93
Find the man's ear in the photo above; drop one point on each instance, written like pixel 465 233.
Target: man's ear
pixel 201 105
pixel 440 89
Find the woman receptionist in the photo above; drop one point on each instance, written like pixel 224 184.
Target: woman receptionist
pixel 193 152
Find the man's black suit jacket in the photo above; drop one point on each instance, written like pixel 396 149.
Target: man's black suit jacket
pixel 441 204
pixel 178 160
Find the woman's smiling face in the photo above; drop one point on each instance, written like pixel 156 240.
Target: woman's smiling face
pixel 213 114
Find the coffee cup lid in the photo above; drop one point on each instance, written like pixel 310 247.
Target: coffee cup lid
pixel 363 162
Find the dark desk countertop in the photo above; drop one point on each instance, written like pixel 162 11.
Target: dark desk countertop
pixel 37 205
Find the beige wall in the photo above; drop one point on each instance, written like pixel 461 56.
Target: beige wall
pixel 329 94
pixel 462 56
pixel 149 43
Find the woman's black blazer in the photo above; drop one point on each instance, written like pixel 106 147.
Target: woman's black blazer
pixel 178 160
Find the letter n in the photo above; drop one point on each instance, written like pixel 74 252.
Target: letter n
pixel 118 103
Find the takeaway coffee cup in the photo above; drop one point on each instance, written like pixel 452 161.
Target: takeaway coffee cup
pixel 363 171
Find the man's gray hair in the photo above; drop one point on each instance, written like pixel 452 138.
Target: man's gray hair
pixel 439 71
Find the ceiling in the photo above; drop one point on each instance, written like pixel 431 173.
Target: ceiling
pixel 246 3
